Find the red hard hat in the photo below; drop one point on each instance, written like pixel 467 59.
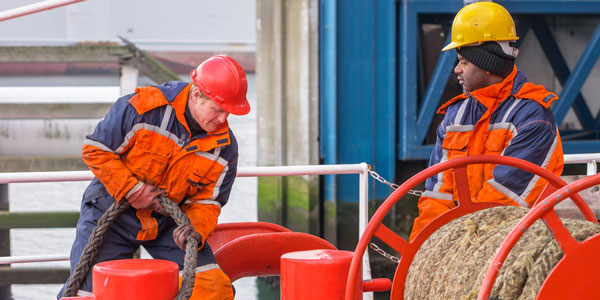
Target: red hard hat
pixel 223 80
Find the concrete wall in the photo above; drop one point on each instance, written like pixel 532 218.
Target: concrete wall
pixel 155 25
pixel 31 136
pixel 287 95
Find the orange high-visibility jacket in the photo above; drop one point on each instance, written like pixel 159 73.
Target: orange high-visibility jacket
pixel 511 118
pixel 145 137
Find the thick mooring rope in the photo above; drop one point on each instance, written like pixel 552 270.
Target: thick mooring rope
pixel 453 261
pixel 191 250
pixel 97 237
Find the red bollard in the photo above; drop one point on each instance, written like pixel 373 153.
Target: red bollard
pixel 316 274
pixel 136 279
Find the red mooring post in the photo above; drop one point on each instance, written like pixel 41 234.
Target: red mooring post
pixel 316 274
pixel 136 279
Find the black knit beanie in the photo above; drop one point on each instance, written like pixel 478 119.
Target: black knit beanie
pixel 489 57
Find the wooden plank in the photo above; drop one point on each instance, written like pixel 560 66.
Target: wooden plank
pixel 41 163
pixel 53 110
pixel 79 53
pixel 38 219
pixel 149 65
pixel 94 53
pixel 33 275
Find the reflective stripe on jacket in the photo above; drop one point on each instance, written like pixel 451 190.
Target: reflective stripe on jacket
pixel 145 137
pixel 511 118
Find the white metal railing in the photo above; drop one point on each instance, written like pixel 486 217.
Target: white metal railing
pixel 590 159
pixel 361 169
pixel 34 8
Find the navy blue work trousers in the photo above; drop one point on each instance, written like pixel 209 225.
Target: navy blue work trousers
pixel 120 241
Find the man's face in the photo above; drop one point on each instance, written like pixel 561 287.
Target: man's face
pixel 208 114
pixel 470 76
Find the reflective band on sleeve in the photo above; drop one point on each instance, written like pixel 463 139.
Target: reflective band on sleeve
pixel 438 195
pixel 207 267
pixel 98 144
pixel 440 175
pixel 204 268
pixel 535 178
pixel 207 202
pixel 507 192
pixel 219 182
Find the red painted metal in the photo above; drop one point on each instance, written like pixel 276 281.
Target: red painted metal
pixel 575 276
pixel 227 232
pixel 135 279
pixel 316 274
pixel 259 254
pixel 407 249
pixel 377 285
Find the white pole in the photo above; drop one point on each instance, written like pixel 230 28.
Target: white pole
pixel 592 168
pixel 23 177
pixel 33 258
pixel 363 220
pixel 128 79
pixel 33 8
pixel 581 158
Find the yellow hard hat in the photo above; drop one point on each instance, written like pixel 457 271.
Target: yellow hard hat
pixel 481 22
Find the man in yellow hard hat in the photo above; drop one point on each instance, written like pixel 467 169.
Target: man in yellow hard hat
pixel 499 113
pixel 168 140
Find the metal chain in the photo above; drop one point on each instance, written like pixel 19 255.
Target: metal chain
pixel 393 185
pixel 383 253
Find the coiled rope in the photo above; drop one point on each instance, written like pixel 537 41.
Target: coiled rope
pixel 97 237
pixel 453 261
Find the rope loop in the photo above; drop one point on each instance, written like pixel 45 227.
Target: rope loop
pixel 88 256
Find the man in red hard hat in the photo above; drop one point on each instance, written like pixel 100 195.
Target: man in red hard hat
pixel 500 113
pixel 171 140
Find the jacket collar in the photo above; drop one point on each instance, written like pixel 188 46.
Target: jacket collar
pixel 489 95
pixel 148 98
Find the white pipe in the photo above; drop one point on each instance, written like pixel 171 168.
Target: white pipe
pixel 33 8
pixel 363 219
pixel 361 169
pixel 23 177
pixel 300 170
pixel 590 159
pixel 592 168
pixel 581 158
pixel 33 258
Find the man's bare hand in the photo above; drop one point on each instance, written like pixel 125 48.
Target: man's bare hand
pixel 146 198
pixel 181 233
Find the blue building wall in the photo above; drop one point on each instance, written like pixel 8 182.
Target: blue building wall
pixel 377 106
